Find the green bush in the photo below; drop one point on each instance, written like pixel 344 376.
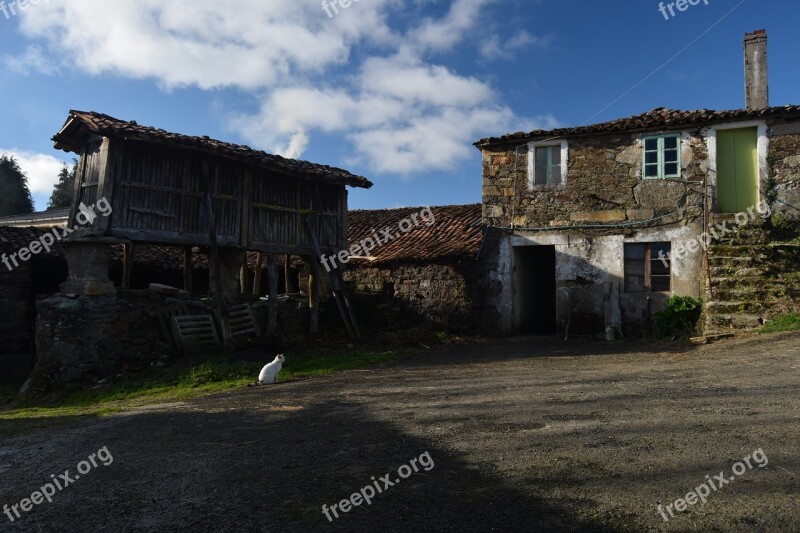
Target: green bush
pixel 680 315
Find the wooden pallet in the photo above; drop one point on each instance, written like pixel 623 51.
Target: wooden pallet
pixel 194 333
pixel 241 321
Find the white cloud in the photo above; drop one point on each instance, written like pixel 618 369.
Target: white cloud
pixel 42 169
pixel 495 48
pixel 32 60
pixel 352 75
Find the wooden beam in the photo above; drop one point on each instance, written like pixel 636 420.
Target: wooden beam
pixel 244 276
pixel 258 274
pixel 272 273
pixel 287 276
pixel 214 260
pixel 105 185
pixel 187 269
pixel 127 268
pixel 313 295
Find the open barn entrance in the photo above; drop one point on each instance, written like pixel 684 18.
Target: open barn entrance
pixel 535 290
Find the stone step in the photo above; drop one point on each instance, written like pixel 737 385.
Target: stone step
pixel 737 271
pixel 766 249
pixel 741 307
pixel 779 283
pixel 721 322
pixel 744 294
pixel 737 261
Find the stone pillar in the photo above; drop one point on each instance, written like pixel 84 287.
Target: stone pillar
pixel 230 269
pixel 88 269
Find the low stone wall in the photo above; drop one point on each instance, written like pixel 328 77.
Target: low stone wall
pixel 441 295
pixel 89 337
pixel 16 332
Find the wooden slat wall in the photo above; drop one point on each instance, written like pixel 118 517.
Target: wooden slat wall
pixel 158 198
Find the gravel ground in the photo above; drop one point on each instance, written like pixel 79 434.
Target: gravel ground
pixel 525 434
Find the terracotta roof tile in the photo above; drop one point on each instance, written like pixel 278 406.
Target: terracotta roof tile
pixel 82 122
pixel 660 118
pixel 456 233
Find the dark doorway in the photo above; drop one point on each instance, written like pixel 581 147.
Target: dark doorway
pixel 535 290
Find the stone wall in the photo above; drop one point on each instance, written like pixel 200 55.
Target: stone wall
pixel 441 294
pixel 603 185
pixel 16 318
pixel 91 337
pixel 784 159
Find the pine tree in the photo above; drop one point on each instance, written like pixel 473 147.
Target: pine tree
pixel 64 189
pixel 15 196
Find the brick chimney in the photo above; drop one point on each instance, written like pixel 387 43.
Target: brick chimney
pixel 755 70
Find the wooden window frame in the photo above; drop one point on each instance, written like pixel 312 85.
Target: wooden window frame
pixel 561 145
pixel 661 163
pixel 648 266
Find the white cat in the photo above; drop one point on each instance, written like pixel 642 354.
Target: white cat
pixel 269 374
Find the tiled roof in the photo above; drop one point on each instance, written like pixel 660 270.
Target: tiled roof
pixel 660 118
pixel 81 123
pixel 14 239
pixel 456 233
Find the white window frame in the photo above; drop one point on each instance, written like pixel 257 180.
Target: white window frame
pixel 532 146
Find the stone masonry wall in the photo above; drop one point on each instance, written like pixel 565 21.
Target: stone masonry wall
pixel 435 294
pixel 603 184
pixel 784 160
pixel 90 337
pixel 16 332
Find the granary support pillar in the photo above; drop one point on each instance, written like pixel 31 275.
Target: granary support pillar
pixel 87 262
pixel 230 266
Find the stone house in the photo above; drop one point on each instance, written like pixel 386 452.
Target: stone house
pixel 595 227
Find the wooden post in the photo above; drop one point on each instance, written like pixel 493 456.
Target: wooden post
pixel 213 260
pixel 313 294
pixel 287 274
pixel 258 274
pixel 127 268
pixel 187 269
pixel 244 276
pixel 272 274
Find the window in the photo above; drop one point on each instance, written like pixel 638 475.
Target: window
pixel 648 267
pixel 662 157
pixel 547 163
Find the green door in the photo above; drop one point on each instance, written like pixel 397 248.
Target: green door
pixel 737 170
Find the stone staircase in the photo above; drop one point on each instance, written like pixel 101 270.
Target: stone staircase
pixel 753 279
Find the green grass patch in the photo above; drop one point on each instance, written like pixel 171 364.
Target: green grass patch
pixel 183 381
pixel 784 323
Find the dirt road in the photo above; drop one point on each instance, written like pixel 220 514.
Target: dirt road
pixel 527 434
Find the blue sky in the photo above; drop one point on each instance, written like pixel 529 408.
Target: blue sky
pixel 395 90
